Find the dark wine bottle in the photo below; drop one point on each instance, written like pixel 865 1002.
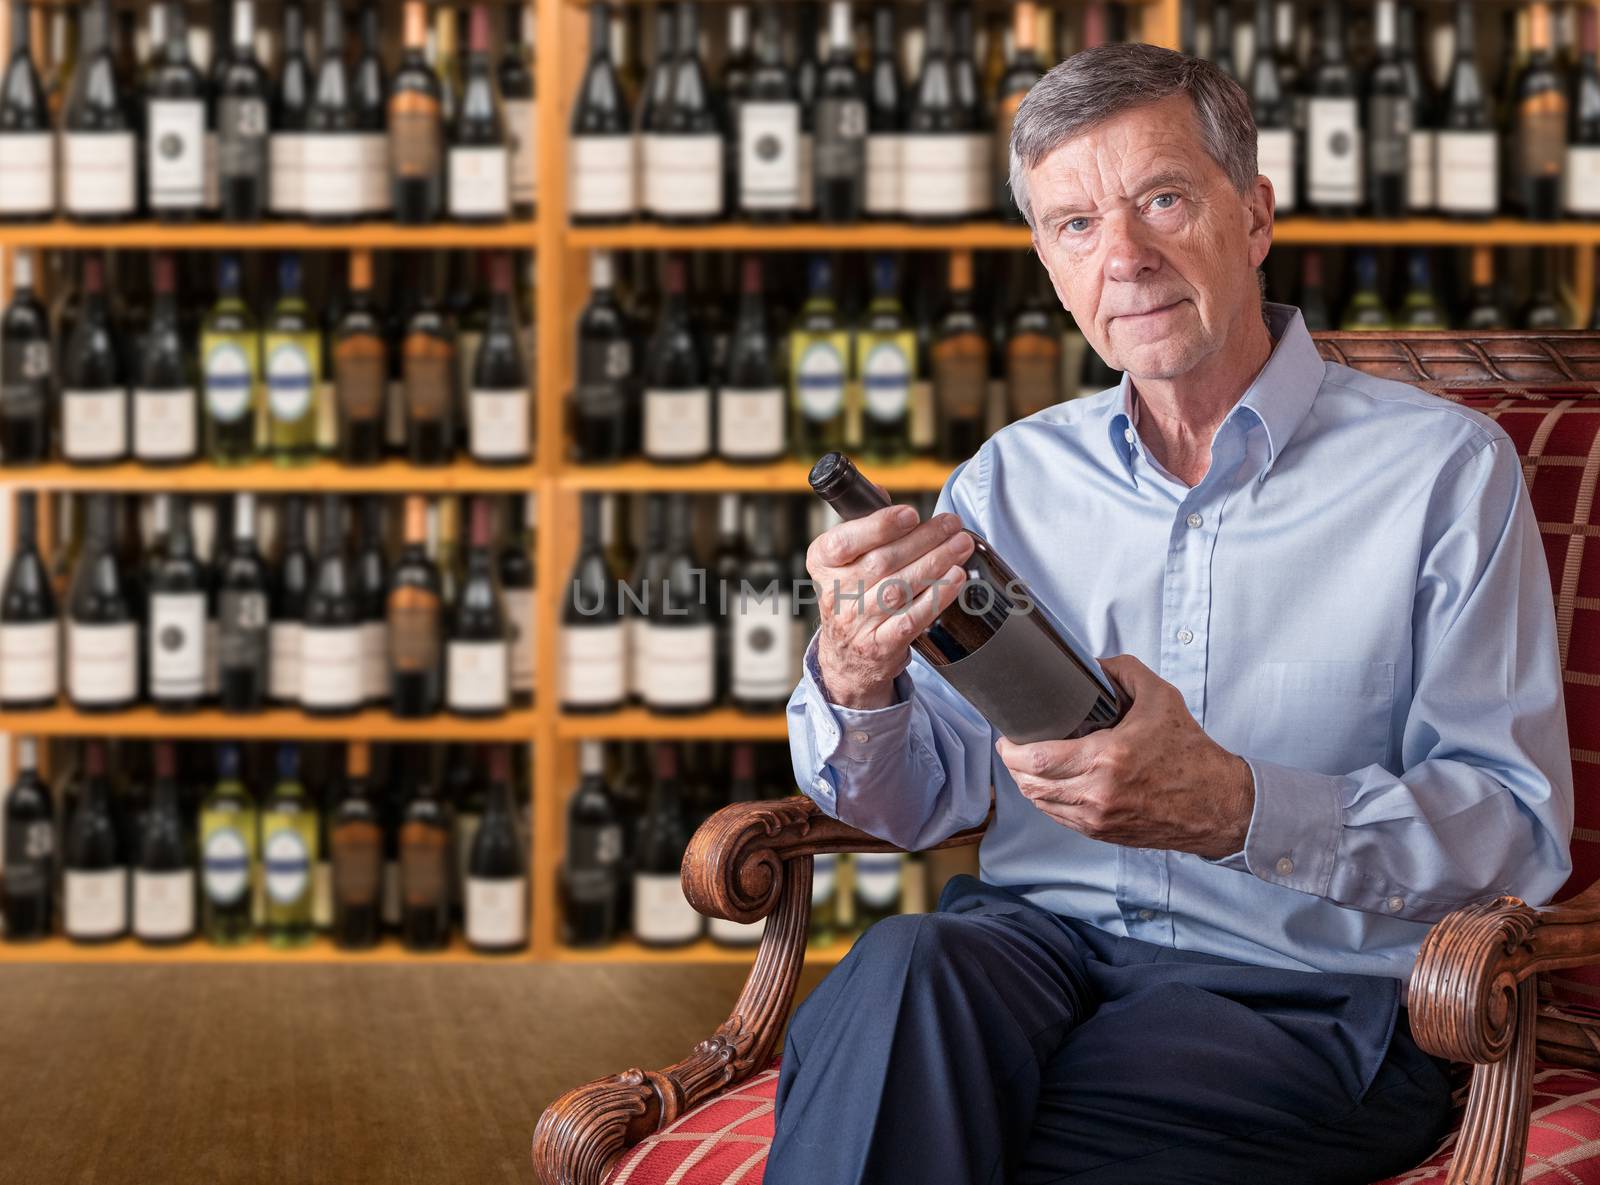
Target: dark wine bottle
pixel 425 870
pixel 662 915
pixel 291 581
pixel 1468 142
pixel 30 850
pixel 601 399
pixel 163 873
pixel 683 140
pixel 680 632
pixel 1583 138
pixel 1484 308
pixel 244 122
pixel 332 171
pixel 26 368
pixel 497 869
pixel 1021 73
pixel 99 170
pixel 677 385
pixel 27 144
pixel 166 407
pixel 960 366
pixel 807 76
pixel 655 95
pixel 601 166
pixel 479 160
pixel 1273 108
pixel 499 411
pixel 94 392
pixel 1538 130
pixel 477 657
pixel 516 94
pixel 885 118
pixel 1542 309
pixel 936 153
pixel 428 360
pixel 330 647
pixel 360 369
pixel 95 862
pixel 1389 119
pixel 762 663
pixel 769 130
pixel 841 120
pixel 416 128
pixel 738 64
pixel 355 835
pixel 102 623
pixel 291 104
pixel 175 118
pixel 516 593
pixel 593 649
pixel 592 869
pixel 413 613
pixel 742 787
pixel 1024 671
pixel 752 405
pixel 369 94
pixel 30 637
pixel 176 635
pixel 371 590
pixel 1033 350
pixel 1334 149
pixel 242 615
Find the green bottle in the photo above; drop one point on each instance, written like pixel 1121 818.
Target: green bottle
pixel 227 854
pixel 1366 309
pixel 819 357
pixel 291 349
pixel 230 352
pixel 885 365
pixel 288 854
pixel 1421 308
pixel 824 899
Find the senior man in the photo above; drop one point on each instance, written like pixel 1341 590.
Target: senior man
pixel 1326 597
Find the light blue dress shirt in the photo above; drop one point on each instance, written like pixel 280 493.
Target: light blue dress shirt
pixel 1354 599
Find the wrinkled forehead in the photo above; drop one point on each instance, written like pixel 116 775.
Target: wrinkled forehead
pixel 1124 157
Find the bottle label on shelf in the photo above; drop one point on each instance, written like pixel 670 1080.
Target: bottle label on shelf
pixel 808 175
pixel 285 863
pixel 769 155
pixel 1469 171
pixel 177 645
pixel 886 382
pixel 25 380
pixel 961 384
pixel 357 862
pixel 96 903
pixel 30 851
pixel 175 153
pixel 877 879
pixel 750 422
pixel 819 381
pixel 287 150
pixel 164 425
pixel 1583 179
pixel 322 894
pixel 102 662
pixel 163 904
pixel 415 134
pixel 30 661
pixel 602 181
pixel 841 138
pixel 374 154
pixel 413 637
pixel 241 629
pixel 1333 137
pixel 935 174
pixel 883 173
pixel 1275 159
pixel 520 627
pixel 332 175
pixel 499 424
pixel 524 146
pixel 922 422
pixel 97 170
pixel 824 877
pixel 980 153
pixel 242 136
pixel 283 672
pixel 468 820
pixel 330 666
pixel 593 665
pixel 497 911
pixel 479 185
pixel 736 933
pixel 360 378
pixel 683 175
pixel 679 665
pixel 1419 177
pixel 677 424
pixel 290 381
pixel 213 183
pixel 424 865
pixel 391 893
pixel 1033 382
pixel 94 424
pixel 1541 140
pixel 661 913
pixel 28 164
pixel 477 675
pixel 228 381
pixel 225 858
pixel 213 681
pixel 375 660
pixel 1389 134
pixel 763 645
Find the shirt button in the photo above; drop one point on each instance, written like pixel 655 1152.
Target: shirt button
pixel 1146 914
pixel 1127 434
pixel 860 738
pixel 1285 866
pixel 823 787
pixel 1186 636
pixel 1395 904
pixel 1194 520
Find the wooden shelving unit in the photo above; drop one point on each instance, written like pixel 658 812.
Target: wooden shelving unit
pixel 392 477
pixel 781 477
pixel 266 236
pixel 626 950
pixel 722 724
pixel 274 724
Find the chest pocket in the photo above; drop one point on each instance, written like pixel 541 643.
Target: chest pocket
pixel 1328 716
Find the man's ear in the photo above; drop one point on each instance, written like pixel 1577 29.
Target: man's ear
pixel 1260 209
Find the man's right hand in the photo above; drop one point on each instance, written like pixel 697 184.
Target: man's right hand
pixel 881 581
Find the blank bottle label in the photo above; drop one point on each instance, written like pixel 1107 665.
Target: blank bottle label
pixel 227 382
pixel 750 423
pixel 332 176
pixel 357 863
pixel 819 381
pixel 497 911
pixel 683 175
pixel 886 382
pixel 287 641
pixel 677 424
pixel 661 913
pixel 414 137
pixel 375 660
pixel 593 665
pixel 101 662
pixel 241 629
pixel 602 178
pixel 27 172
pixel 242 137
pixel 1541 140
pixel 226 866
pixel 479 185
pixel 177 645
pixel 980 154
pixel 1583 179
pixel 1419 177
pixel 97 172
pixel 330 666
pixel 96 903
pixel 413 637
pixel 679 665
pixel 286 863
pixel 1275 158
pixel 1469 171
pixel 883 173
pixel 477 674
pixel 769 155
pixel 1334 139
pixel 519 624
pixel 499 424
pixel 374 153
pixel 290 382
pixel 175 152
pixel 935 175
pixel 29 661
pixel 288 164
pixel 164 425
pixel 163 904
pixel 763 646
pixel 94 424
pixel 877 879
pixel 524 150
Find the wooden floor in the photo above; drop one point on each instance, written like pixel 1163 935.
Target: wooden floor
pixel 365 1075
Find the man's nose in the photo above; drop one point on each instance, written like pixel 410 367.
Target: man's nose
pixel 1129 253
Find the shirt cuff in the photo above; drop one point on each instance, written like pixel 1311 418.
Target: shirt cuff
pixel 849 736
pixel 1294 828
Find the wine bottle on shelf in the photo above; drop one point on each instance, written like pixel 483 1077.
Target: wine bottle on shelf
pixel 1421 308
pixel 291 103
pixel 175 117
pixel 655 94
pixel 683 144
pixel 752 405
pixel 94 392
pixel 102 622
pixel 227 840
pixel 591 871
pixel 645 584
pixel 480 183
pixel 163 872
pixel 807 80
pixel 425 869
pixel 1222 40
pixel 1313 294
pixel 876 883
pixel 601 181
pixel 26 368
pixel 332 171
pixel 960 367
pixel 1068 694
pixel 477 658
pixel 1421 181
pixel 416 129
pixel 95 862
pixel 360 369
pixel 1582 174
pixel 176 634
pixel 761 606
pixel 1021 73
pixel 1484 309
pixel 244 122
pixel 662 915
pixel 1539 125
pixel 413 616
pixel 979 137
pixel 428 354
pixel 680 632
pixel 1334 147
pixel 841 123
pixel 27 144
pixel 30 851
pixel 886 353
pixel 741 788
pixel 602 396
pixel 30 635
pixel 677 385
pixel 819 366
pixel 166 409
pixel 371 589
pixel 1365 308
pixel 1389 119
pixel 1542 309
pixel 498 411
pixel 355 837
pixel 331 642
pixel 769 130
pixel 230 363
pixel 288 853
pixel 99 171
pixel 290 585
pixel 242 615
pixel 738 65
pixel 369 94
pixel 496 905
pixel 935 185
pixel 291 349
pixel 1033 350
pixel 517 593
pixel 1273 109
pixel 516 93
pixel 593 643
pixel 885 119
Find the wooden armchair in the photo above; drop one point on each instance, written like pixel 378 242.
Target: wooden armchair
pixel 1492 988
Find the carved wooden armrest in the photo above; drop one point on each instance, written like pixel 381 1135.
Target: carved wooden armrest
pixel 749 861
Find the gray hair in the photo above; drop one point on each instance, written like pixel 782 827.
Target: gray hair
pixel 1095 85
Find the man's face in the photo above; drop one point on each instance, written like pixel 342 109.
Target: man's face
pixel 1148 244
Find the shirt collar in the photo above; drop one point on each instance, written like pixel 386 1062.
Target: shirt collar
pixel 1279 398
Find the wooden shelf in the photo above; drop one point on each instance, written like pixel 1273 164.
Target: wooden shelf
pixel 264 236
pixel 319 950
pixel 626 950
pixel 273 724
pixel 391 477
pixel 639 724
pixel 719 476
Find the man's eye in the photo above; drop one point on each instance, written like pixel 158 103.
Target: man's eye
pixel 1163 197
pixel 1077 224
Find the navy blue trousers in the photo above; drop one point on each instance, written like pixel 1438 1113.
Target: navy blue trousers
pixel 994 1041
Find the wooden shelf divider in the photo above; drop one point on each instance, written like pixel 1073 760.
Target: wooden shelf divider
pixel 723 724
pixel 391 477
pixel 265 236
pixel 287 724
pixel 780 477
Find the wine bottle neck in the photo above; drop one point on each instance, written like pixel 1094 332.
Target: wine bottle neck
pixel 27 521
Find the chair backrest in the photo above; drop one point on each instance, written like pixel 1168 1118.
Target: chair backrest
pixel 1544 390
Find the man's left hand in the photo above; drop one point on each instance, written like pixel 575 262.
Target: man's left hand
pixel 1155 780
